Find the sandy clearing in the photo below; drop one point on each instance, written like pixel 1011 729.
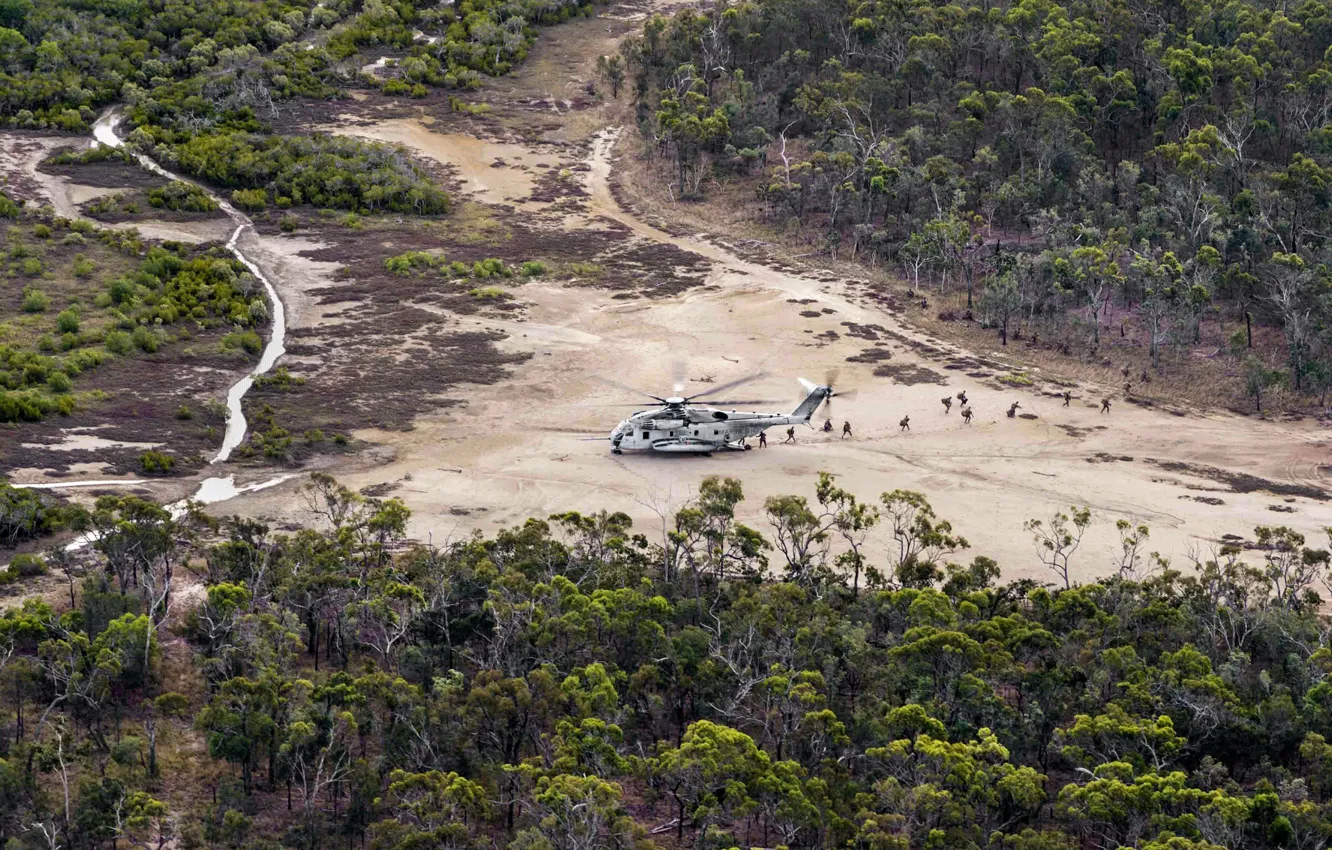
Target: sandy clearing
pixel 520 448
pixel 297 277
pixel 492 172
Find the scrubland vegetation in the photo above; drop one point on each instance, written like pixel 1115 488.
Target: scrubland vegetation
pixel 577 682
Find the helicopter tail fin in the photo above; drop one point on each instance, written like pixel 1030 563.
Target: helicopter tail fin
pixel 812 401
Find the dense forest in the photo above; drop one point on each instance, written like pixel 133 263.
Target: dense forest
pixel 578 683
pixel 1068 167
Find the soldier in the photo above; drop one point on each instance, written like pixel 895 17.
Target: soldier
pixel 1012 411
pixel 790 435
pixel 827 425
pixel 966 415
pixel 1105 405
pixel 1128 388
pixel 962 397
pixel 1144 377
pixel 763 439
pixel 905 423
pixel 846 429
pixel 1068 396
pixel 948 404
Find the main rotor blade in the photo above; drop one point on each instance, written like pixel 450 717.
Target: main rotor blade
pixel 728 386
pixel 743 401
pixel 638 404
pixel 618 385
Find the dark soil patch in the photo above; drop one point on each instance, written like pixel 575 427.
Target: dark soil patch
pixel 1206 500
pixel 867 332
pixel 810 314
pixel 1102 457
pixel 108 174
pixel 1028 416
pixel 910 374
pixel 871 355
pixel 1240 482
pixel 133 206
pixel 1281 509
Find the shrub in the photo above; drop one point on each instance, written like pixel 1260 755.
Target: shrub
pixel 289 223
pixel 24 406
pixel 532 268
pixel 146 340
pixel 59 382
pixel 250 200
pixel 179 195
pixel 27 566
pixel 403 264
pixel 487 292
pixel 156 463
pixel 250 341
pixel 1016 379
pixel 41 231
pixel 490 268
pixel 184 412
pixel 35 301
pixel 119 342
pixel 67 322
pixel 32 267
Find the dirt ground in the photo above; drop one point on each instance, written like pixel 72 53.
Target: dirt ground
pixel 527 446
pixel 533 442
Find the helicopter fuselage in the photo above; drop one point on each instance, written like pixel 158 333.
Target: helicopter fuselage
pixel 680 428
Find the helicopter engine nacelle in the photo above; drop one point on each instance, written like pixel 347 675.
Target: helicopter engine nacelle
pixel 667 424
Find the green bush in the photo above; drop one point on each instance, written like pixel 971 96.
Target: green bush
pixel 533 268
pixel 250 200
pixel 27 566
pixel 32 267
pixel 59 382
pixel 145 340
pixel 289 223
pixel 404 264
pixel 179 195
pixel 67 322
pixel 119 342
pixel 156 463
pixel 35 301
pixel 490 268
pixel 184 413
pixel 25 406
pixel 247 340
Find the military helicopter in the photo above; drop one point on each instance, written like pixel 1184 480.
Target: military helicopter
pixel 696 424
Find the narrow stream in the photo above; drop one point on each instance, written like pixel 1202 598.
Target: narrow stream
pixel 104 131
pixel 215 489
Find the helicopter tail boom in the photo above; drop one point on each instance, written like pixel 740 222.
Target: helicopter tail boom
pixel 806 408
